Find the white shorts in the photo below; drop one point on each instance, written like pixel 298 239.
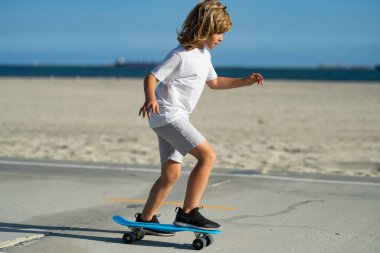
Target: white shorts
pixel 176 139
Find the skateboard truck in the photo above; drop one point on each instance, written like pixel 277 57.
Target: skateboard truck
pixel 201 240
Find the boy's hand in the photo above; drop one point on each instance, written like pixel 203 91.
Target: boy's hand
pixel 149 105
pixel 255 78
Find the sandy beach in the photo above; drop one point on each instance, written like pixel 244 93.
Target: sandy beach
pixel 281 127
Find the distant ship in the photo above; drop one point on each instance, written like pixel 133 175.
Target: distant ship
pixel 120 62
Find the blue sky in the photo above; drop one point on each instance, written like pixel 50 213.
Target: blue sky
pixel 273 33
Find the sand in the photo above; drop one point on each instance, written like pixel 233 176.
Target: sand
pixel 281 127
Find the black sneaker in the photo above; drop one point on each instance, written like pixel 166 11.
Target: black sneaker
pixel 194 219
pixel 149 231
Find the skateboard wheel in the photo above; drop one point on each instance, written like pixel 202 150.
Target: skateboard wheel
pixel 209 240
pixel 129 237
pixel 199 243
pixel 140 234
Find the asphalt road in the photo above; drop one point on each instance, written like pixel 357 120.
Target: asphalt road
pixel 57 206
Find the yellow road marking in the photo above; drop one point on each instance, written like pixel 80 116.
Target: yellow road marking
pixel 172 203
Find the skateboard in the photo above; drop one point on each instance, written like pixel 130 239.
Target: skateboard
pixel 203 238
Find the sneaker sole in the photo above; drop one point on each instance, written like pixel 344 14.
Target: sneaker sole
pixel 186 225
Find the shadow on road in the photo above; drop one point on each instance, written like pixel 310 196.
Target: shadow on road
pixel 67 232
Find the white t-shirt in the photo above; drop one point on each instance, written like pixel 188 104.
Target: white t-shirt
pixel 182 77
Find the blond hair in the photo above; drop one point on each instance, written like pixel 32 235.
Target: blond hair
pixel 207 18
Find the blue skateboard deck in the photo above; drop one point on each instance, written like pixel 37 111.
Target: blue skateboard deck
pixel 161 227
pixel 203 237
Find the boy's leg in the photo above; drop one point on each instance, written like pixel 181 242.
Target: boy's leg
pixel 182 137
pixel 189 216
pixel 170 172
pixel 199 176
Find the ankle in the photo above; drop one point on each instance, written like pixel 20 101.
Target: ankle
pixel 146 217
pixel 187 209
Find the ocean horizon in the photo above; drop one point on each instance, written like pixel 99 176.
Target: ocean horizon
pixel 139 70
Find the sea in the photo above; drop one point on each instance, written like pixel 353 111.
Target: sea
pixel 140 70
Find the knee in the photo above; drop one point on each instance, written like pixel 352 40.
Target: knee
pixel 208 157
pixel 204 153
pixel 170 178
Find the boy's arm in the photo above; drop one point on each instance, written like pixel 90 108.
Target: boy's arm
pixel 222 83
pixel 150 103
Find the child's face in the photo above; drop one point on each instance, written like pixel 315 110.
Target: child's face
pixel 213 40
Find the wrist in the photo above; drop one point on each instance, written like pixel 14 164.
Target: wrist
pixel 246 81
pixel 150 98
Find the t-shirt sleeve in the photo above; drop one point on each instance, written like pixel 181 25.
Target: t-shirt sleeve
pixel 211 73
pixel 169 69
